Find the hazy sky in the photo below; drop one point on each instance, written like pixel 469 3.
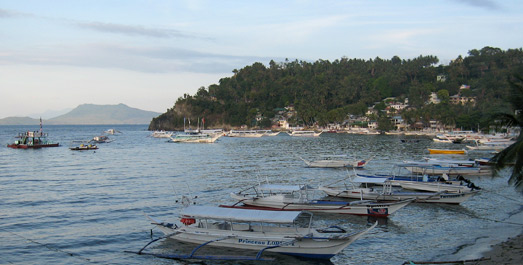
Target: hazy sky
pixel 58 54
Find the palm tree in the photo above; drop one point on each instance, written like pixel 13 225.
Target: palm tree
pixel 513 155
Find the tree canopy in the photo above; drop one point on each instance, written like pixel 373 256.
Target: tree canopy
pixel 323 92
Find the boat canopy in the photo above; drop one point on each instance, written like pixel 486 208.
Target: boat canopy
pixel 241 215
pixel 359 179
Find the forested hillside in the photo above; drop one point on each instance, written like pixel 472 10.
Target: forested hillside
pixel 324 92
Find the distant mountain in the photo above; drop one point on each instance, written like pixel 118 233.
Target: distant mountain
pixel 49 114
pixel 19 121
pixel 104 114
pixel 87 114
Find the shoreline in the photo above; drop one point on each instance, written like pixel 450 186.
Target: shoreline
pixel 507 252
pixel 502 243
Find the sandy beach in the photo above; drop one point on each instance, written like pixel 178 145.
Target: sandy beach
pixel 508 252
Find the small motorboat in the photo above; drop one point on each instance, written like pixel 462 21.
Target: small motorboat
pixel 84 147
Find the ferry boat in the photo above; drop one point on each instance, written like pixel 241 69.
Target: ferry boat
pixel 32 140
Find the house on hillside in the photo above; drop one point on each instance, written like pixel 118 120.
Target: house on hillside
pixel 433 98
pixel 458 99
pixel 399 123
pixel 282 124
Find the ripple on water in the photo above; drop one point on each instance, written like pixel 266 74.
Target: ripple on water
pixel 91 204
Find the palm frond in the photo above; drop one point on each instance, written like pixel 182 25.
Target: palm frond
pixel 513 155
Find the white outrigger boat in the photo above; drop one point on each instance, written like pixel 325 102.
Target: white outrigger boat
pixel 161 134
pixel 301 198
pixel 305 133
pixel 245 134
pixel 268 132
pixel 365 192
pixel 436 186
pixel 329 161
pixel 273 231
pixel 438 168
pixel 195 138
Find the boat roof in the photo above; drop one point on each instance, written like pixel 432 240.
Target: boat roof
pixel 283 187
pixel 368 180
pixel 234 214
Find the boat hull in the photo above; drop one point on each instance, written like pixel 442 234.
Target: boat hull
pixel 434 187
pixel 36 146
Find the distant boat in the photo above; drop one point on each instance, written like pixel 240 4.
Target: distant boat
pixel 268 132
pixel 447 151
pixel 245 133
pixel 32 140
pixel 305 133
pixel 101 139
pixel 161 134
pixel 112 131
pixel 195 138
pixel 330 161
pixel 84 147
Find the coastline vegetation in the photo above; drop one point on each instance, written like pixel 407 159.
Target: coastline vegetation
pixel 324 92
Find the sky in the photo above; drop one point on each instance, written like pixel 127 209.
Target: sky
pixel 58 54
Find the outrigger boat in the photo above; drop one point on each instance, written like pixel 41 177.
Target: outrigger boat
pixel 101 139
pixel 245 134
pixel 112 131
pixel 364 189
pixel 301 198
pixel 436 168
pixel 33 140
pixel 273 231
pixel 305 133
pixel 195 137
pixel 437 186
pixel 329 161
pixel 161 134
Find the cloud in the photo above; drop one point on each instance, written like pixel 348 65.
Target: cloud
pixel 10 14
pixel 486 4
pixel 132 58
pixel 134 30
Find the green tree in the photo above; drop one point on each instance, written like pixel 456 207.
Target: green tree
pixel 443 95
pixel 513 153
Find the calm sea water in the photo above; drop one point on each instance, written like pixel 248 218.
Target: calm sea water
pixel 59 206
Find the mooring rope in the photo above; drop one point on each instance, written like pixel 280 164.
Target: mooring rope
pixel 48 247
pixel 482 218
